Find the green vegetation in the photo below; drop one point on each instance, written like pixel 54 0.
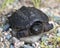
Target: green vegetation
pixel 36 3
pixel 5 3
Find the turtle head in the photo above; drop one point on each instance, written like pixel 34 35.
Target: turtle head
pixel 39 27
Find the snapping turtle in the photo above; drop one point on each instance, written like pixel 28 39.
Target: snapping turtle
pixel 28 21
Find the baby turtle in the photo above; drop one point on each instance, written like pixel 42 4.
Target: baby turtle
pixel 28 21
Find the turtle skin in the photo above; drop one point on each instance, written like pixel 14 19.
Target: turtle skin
pixel 28 21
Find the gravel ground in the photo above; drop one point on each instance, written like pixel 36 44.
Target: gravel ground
pixel 47 40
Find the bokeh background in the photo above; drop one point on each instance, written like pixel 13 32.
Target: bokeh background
pixel 50 39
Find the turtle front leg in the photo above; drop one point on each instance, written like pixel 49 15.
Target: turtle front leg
pixel 22 33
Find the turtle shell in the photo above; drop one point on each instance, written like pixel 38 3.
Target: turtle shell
pixel 26 16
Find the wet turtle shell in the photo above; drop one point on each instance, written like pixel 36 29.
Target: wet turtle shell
pixel 27 17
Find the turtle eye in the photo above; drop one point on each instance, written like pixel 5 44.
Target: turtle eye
pixel 36 28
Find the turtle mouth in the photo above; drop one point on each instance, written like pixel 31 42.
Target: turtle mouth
pixel 36 28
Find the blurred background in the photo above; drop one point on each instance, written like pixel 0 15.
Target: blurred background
pixel 50 7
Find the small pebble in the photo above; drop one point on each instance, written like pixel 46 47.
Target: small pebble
pixel 8 37
pixel 11 45
pixel 58 32
pixel 6 27
pixel 50 46
pixel 1 39
pixel 27 46
pixel 1 29
pixel 58 29
pixel 44 38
